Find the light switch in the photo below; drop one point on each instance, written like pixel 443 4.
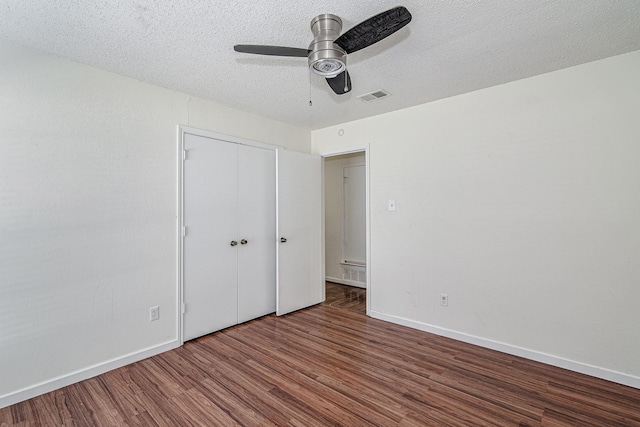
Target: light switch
pixel 392 205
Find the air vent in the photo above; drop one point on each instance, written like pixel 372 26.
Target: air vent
pixel 354 273
pixel 376 94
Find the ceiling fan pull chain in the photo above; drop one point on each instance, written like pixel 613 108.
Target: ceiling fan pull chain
pixel 310 103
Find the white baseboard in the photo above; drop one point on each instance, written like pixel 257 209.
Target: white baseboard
pixel 583 368
pixel 83 374
pixel 346 282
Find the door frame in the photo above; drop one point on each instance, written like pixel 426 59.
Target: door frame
pixel 183 130
pixel 356 149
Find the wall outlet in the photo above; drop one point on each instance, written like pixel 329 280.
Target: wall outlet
pixel 444 300
pixel 154 313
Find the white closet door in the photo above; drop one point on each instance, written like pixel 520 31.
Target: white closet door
pixel 210 215
pixel 256 226
pixel 300 258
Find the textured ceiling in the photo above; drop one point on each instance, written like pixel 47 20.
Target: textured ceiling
pixel 450 47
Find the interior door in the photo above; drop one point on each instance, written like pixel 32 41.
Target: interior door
pixel 300 275
pixel 256 232
pixel 210 216
pixel 354 214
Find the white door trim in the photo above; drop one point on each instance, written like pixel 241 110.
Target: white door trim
pixel 358 149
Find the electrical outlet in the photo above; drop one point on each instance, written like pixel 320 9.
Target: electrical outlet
pixel 444 300
pixel 154 313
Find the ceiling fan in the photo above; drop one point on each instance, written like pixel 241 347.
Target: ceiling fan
pixel 327 53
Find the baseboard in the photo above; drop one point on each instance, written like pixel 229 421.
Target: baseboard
pixel 346 282
pixel 583 368
pixel 83 374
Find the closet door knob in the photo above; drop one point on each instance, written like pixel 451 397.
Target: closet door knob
pixel 243 242
pixel 283 240
pixel 234 243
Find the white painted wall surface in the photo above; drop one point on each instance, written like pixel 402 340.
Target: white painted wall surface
pixel 88 215
pixel 522 203
pixel 333 202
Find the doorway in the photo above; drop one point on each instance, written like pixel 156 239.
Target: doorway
pixel 346 219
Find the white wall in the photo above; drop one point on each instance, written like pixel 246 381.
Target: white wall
pixel 88 215
pixel 334 214
pixel 522 203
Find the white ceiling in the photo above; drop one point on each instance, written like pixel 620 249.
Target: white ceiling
pixel 450 47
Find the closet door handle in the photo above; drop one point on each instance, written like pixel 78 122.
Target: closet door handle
pixel 234 243
pixel 283 240
pixel 243 242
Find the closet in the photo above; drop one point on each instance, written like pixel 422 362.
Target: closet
pixel 229 234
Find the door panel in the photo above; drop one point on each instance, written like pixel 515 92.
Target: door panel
pixel 300 259
pixel 354 190
pixel 256 225
pixel 209 261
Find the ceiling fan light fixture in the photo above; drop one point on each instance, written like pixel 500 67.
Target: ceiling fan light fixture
pixel 328 67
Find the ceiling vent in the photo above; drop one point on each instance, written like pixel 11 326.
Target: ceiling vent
pixel 376 94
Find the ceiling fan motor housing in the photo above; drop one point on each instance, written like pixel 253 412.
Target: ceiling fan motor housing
pixel 326 58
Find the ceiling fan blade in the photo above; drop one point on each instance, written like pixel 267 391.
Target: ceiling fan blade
pixel 271 50
pixel 374 29
pixel 341 83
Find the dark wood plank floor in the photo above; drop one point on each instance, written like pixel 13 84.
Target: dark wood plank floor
pixel 326 366
pixel 346 297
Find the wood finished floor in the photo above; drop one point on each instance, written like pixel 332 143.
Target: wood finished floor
pixel 346 297
pixel 326 366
